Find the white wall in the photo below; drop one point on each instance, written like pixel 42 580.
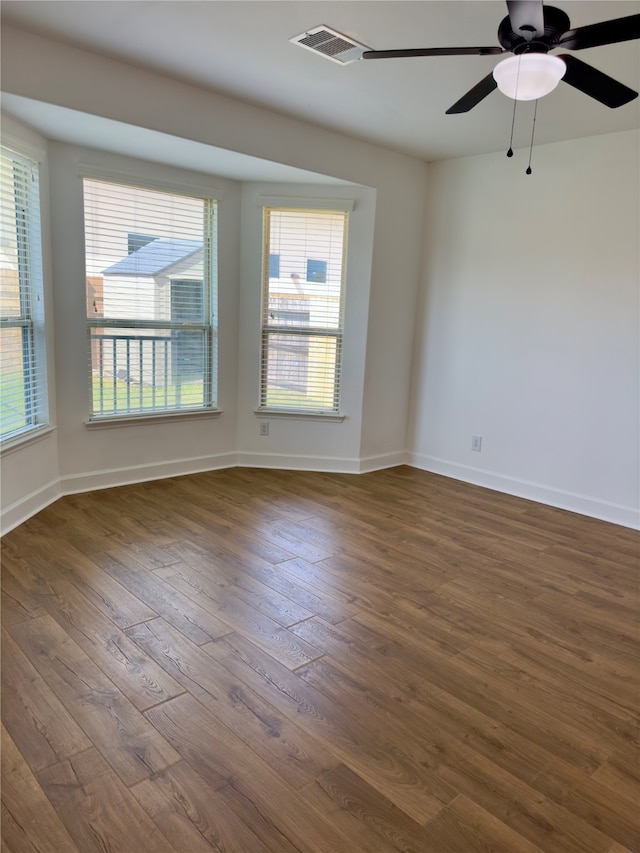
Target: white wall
pixel 528 327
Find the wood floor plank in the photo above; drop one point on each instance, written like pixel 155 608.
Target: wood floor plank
pixel 540 820
pixel 38 722
pixel 490 697
pixel 70 517
pixel 290 751
pixel 192 815
pixel 196 623
pixel 411 786
pixel 32 821
pixel 304 575
pixel 367 704
pixel 138 678
pixel 99 812
pixel 240 584
pixel 108 596
pixel 133 518
pixel 257 660
pixel 352 579
pixel 211 521
pixel 363 834
pixel 391 676
pixel 592 713
pixel 602 625
pixel 238 615
pixel 13 837
pixel 465 827
pixel 600 679
pixel 134 673
pixel 391 827
pixel 621 774
pixel 243 568
pixel 250 787
pixel 133 747
pixel 613 812
pixel 18 604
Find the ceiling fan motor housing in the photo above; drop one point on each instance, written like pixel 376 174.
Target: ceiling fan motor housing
pixel 556 24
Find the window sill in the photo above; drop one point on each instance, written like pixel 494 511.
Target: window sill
pixel 292 414
pixel 25 438
pixel 147 419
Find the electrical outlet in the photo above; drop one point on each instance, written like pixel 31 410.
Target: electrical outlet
pixel 476 442
pixel 264 427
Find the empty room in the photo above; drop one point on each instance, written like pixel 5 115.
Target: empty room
pixel 320 426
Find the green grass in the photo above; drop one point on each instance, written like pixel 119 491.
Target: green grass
pixel 12 403
pixel 122 398
pixel 281 398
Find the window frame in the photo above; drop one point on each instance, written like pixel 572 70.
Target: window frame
pixel 208 327
pixel 311 206
pixel 30 278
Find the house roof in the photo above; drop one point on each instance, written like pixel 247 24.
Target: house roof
pixel 155 257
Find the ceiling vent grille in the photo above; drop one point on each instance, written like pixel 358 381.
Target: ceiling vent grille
pixel 331 44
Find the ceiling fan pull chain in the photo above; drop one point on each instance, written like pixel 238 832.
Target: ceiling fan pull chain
pixel 513 120
pixel 533 130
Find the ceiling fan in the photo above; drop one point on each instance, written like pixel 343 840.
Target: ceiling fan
pixel 530 31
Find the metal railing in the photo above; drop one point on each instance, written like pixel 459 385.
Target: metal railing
pixel 145 372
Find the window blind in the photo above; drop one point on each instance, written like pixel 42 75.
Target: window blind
pixel 151 295
pixel 302 309
pixel 23 381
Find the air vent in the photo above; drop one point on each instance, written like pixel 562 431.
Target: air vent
pixel 331 44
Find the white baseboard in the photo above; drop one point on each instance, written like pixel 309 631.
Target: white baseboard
pixel 286 462
pixel 94 480
pixel 335 465
pixel 582 504
pixel 28 506
pixel 384 460
pixel 23 509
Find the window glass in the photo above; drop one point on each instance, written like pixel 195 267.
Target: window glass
pixel 150 264
pixel 23 385
pixel 302 315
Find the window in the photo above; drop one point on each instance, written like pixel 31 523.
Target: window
pixel 316 271
pixel 274 266
pixel 150 266
pixel 23 400
pixel 302 309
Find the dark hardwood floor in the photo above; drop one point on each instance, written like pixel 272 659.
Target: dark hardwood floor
pixel 253 660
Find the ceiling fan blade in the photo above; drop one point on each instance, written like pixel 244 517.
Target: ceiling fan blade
pixel 432 51
pixel 606 32
pixel 592 82
pixel 527 17
pixel 474 96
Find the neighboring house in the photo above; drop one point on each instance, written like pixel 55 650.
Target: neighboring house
pixel 156 273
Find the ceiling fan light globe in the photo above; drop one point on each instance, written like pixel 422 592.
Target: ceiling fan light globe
pixel 529 76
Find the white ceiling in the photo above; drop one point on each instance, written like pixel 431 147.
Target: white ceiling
pixel 241 48
pixel 55 122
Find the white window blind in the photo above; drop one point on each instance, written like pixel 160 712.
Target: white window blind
pixel 23 391
pixel 151 299
pixel 302 309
